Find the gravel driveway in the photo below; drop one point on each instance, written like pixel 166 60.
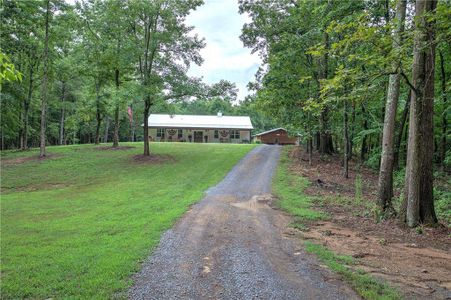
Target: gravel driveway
pixel 232 245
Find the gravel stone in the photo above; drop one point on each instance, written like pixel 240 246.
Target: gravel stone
pixel 231 245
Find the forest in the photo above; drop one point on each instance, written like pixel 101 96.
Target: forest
pixel 367 80
pixel 87 72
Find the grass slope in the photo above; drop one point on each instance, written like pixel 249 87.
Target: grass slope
pixel 77 225
pixel 289 187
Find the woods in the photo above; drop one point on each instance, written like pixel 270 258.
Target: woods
pixel 373 61
pixel 364 80
pixel 92 71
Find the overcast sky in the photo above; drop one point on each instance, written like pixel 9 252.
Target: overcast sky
pixel 225 57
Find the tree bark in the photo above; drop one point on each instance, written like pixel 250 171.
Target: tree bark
pixel 98 113
pixel 385 184
pixel 116 112
pixel 132 126
pixel 326 146
pixel 345 140
pixel 443 142
pixel 402 125
pixel 116 128
pixel 45 83
pixel 419 204
pixel 63 96
pixel 147 105
pixel 351 139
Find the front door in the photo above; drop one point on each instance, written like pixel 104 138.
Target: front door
pixel 198 136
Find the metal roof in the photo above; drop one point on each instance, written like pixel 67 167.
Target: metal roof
pixel 269 131
pixel 193 121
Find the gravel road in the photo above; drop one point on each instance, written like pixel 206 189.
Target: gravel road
pixel 233 245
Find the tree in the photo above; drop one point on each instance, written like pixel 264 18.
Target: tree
pixel 418 204
pixel 45 81
pixel 385 185
pixel 163 40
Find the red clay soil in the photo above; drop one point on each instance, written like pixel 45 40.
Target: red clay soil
pixel 417 261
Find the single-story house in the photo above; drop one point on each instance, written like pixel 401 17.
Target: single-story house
pixel 200 129
pixel 278 136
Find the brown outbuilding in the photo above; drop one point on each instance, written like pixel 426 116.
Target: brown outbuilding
pixel 277 136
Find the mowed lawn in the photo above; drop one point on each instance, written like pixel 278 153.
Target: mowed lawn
pixel 78 225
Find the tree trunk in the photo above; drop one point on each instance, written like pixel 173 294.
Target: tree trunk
pixel 443 142
pixel 63 96
pixel 402 125
pixel 116 113
pixel 419 206
pixel 326 146
pixel 132 125
pixel 98 113
pixel 45 82
pixel 385 184
pixel 147 104
pixel 345 140
pixel 351 139
pixel 325 140
pixel 116 127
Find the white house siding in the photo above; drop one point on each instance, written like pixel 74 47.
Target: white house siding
pixel 245 135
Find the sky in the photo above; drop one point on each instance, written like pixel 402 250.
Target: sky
pixel 225 57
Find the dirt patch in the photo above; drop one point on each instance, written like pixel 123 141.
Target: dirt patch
pixel 153 159
pixel 115 148
pixel 418 261
pixel 21 160
pixel 326 173
pixel 417 270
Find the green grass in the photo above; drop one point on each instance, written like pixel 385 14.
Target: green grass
pixel 289 188
pixel 77 225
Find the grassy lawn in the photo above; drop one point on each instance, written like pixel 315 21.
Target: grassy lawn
pixel 289 187
pixel 77 225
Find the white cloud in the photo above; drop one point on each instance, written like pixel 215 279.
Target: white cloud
pixel 225 57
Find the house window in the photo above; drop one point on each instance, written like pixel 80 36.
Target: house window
pixel 160 132
pixel 180 133
pixel 216 134
pixel 234 134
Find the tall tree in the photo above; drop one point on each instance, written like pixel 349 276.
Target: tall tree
pixel 418 191
pixel 385 185
pixel 162 38
pixel 444 119
pixel 45 81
